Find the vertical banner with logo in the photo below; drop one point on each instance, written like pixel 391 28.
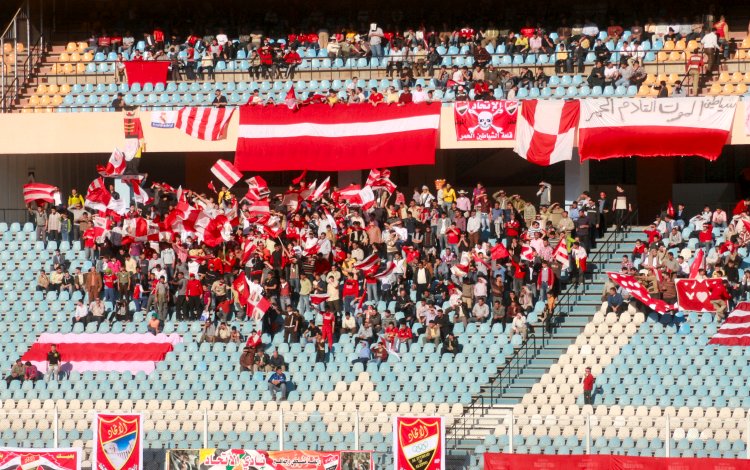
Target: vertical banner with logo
pixel 48 459
pixel 419 443
pixel 485 120
pixel 118 441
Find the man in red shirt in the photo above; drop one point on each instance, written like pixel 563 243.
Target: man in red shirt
pixel 719 299
pixel 405 336
pixel 327 331
pixel 193 293
pixel 266 59
pixel 405 97
pixel 588 387
pixel 375 97
pixel 292 61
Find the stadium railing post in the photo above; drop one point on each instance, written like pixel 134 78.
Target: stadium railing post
pixel 205 429
pixel 356 430
pixel 588 434
pixel 667 437
pixel 281 429
pixel 55 422
pixel 511 430
pixel 747 438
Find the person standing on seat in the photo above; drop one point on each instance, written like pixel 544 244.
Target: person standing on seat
pixel 588 387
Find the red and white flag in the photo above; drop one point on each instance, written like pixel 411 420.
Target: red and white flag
pixel 257 188
pixel 226 173
pixel 115 166
pixel 561 254
pixel 368 262
pixel 217 231
pixel 381 179
pixel 694 295
pixel 98 196
pixel 139 194
pixel 736 329
pixel 386 272
pixel 697 264
pixel 318 137
pixel 320 190
pixel 499 251
pixel 39 192
pixel 291 99
pixel 545 131
pixel 649 127
pixel 527 253
pixel 256 310
pixel 317 299
pixel 205 123
pixel 248 248
pixel 636 289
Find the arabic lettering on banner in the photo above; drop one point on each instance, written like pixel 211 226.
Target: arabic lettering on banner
pixel 419 443
pixel 244 459
pixel 485 120
pixel 701 110
pixel 51 459
pixel 118 441
pixel 694 295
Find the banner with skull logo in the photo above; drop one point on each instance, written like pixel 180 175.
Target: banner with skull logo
pixel 485 120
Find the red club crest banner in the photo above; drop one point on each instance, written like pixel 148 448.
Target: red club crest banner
pixel 118 442
pixel 49 459
pixel 694 295
pixel 419 443
pixel 485 120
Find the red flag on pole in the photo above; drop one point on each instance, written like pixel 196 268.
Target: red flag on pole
pixel 499 251
pixel 697 264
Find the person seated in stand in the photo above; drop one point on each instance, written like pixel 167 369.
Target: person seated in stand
pixel 615 302
pixel 31 373
pixel 17 372
pixel 154 324
pixel 450 345
pixel 364 355
pixel 277 383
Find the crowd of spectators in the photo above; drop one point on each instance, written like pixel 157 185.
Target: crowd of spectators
pixel 411 53
pixel 428 260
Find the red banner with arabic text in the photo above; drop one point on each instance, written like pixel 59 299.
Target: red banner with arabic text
pixel 485 120
pixel 50 459
pixel 245 459
pixel 118 441
pixel 419 443
pixel 607 462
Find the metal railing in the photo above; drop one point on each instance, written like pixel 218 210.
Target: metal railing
pixel 28 47
pixel 537 340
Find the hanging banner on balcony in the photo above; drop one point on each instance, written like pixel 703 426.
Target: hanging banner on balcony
pixel 419 443
pixel 118 442
pixel 485 120
pixel 244 459
pixel 608 462
pixel 48 459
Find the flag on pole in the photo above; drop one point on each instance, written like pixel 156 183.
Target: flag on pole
pixel 561 254
pixel 499 251
pixel 226 173
pixel 291 99
pixel 697 264
pixel 39 192
pixel 115 166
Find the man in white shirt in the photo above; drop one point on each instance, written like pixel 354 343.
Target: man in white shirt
pixel 473 225
pixel 80 313
pixel 519 326
pixel 419 96
pixel 376 39
pixel 710 43
pixel 222 38
pixel 480 311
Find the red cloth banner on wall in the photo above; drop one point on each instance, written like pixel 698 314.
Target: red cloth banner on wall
pixel 419 443
pixel 485 120
pixel 118 442
pixel 606 462
pixel 146 71
pixel 339 138
pixel 54 459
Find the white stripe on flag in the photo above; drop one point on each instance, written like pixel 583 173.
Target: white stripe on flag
pixel 351 129
pixel 561 151
pixel 195 126
pixel 547 116
pixel 208 129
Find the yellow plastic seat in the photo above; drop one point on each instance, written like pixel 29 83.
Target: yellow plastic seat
pixel 71 47
pixel 662 77
pixel 668 45
pixel 87 57
pixel 27 110
pixel 650 79
pixel 80 68
pixel 737 77
pixel 723 77
pixel 45 100
pixel 64 89
pixel 64 57
pixel 740 89
pixel 675 56
pixel 715 89
pixel 82 47
pixel 747 77
pixel 673 78
pixel 742 54
pixel 53 89
pixel 33 100
pixel 75 57
pixel 644 90
pixel 57 100
pixel 68 68
pixel 39 110
pixel 41 89
pixel 654 91
pixel 728 89
pixel 746 42
pixel 691 45
pixel 680 45
pixel 662 56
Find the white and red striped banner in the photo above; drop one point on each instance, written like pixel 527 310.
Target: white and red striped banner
pixel 33 192
pixel 546 130
pixel 205 123
pixel 653 127
pixel 736 329
pixel 226 173
pixel 636 289
pixel 115 165
pixel 318 137
pixel 121 352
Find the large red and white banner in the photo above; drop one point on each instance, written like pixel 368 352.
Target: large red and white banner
pixel 146 71
pixel 134 352
pixel 636 289
pixel 419 443
pixel 226 173
pixel 118 441
pixel 546 131
pixel 485 120
pixel 246 459
pixel 323 138
pixel 33 192
pixel 205 123
pixel 735 331
pixel 694 295
pixel 653 127
pixel 49 459
pixel 607 462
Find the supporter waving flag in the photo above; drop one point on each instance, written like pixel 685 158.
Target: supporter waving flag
pixel 205 123
pixel 33 192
